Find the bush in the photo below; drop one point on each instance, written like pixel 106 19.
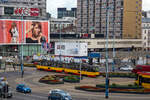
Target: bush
pixel 113 90
pixel 113 84
pixel 51 79
pixel 117 86
pixel 90 88
pixel 72 79
pixel 128 75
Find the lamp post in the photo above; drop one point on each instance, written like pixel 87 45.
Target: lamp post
pixel 107 31
pixel 113 65
pixel 60 40
pixel 80 59
pixel 22 71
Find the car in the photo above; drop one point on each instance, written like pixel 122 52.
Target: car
pixel 126 68
pixel 58 94
pixel 9 60
pixel 23 88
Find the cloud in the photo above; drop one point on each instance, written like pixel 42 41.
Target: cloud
pixel 145 5
pixel 52 5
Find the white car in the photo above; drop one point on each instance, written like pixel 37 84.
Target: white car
pixel 126 68
pixel 9 60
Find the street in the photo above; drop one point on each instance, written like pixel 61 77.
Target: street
pixel 40 90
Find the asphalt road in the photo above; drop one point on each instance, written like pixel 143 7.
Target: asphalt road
pixel 40 91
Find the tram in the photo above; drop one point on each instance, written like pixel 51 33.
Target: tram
pixel 73 68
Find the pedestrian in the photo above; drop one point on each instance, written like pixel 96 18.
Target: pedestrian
pixel 14 66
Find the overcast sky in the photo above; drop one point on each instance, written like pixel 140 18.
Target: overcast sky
pixel 52 5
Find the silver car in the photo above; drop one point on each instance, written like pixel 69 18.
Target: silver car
pixel 126 68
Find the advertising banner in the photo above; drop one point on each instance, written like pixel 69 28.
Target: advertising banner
pixel 26 11
pixel 71 49
pixel 36 31
pixel 33 31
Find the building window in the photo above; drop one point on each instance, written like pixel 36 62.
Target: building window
pixel 89 43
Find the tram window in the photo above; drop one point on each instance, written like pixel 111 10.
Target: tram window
pixel 136 78
pixel 146 80
pixel 140 80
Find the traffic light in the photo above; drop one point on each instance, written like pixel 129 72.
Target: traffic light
pixel 8 10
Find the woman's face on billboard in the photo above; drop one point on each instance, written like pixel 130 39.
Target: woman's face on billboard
pixel 36 30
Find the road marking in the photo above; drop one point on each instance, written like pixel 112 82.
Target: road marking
pixel 30 95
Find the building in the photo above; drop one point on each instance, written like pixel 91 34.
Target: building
pixel 146 14
pixel 63 12
pixel 124 21
pixel 19 12
pixel 99 45
pixel 13 9
pixel 66 24
pixel 146 33
pixel 124 18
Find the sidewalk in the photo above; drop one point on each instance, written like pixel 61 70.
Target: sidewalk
pixel 9 68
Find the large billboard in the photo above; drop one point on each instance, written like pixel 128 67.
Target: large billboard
pixel 11 31
pixel 15 11
pixel 71 49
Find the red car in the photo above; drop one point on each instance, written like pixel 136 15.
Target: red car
pixel 141 68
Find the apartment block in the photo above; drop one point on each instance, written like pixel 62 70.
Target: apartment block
pixel 124 18
pixel 146 33
pixel 63 12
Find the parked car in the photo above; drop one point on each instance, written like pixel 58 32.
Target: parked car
pixel 58 94
pixel 126 68
pixel 141 68
pixel 9 60
pixel 23 88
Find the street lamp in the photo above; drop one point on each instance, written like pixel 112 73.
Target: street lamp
pixel 22 71
pixel 60 41
pixel 113 66
pixel 80 59
pixel 107 31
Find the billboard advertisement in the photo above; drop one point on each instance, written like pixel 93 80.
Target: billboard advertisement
pixel 26 11
pixel 14 31
pixel 15 11
pixel 71 49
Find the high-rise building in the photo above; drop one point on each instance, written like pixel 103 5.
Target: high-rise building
pixel 124 18
pixel 10 8
pixel 63 12
pixel 146 33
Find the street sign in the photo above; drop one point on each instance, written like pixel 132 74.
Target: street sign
pixel 94 55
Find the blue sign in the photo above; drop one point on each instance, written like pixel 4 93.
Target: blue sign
pixel 147 56
pixel 94 55
pixel 83 57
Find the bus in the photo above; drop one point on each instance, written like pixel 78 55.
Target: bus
pixel 143 79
